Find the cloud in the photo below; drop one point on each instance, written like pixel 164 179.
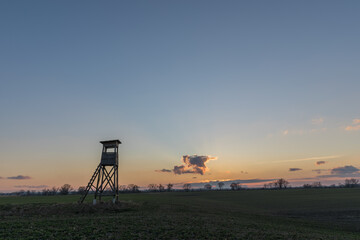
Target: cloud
pixel 317 121
pixel 19 177
pixel 294 169
pixel 345 170
pixel 319 171
pixel 226 182
pixel 318 130
pixel 320 162
pixel 197 162
pixel 339 172
pixel 355 125
pixel 1 177
pixel 353 128
pixel 192 164
pixel 307 159
pixel 356 121
pixel 302 132
pixel 182 170
pixel 163 170
pixel 31 186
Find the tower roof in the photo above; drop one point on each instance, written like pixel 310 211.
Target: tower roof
pixel 111 142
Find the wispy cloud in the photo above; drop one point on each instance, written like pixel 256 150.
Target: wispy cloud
pixel 163 170
pixel 353 128
pixel 351 175
pixel 317 127
pixel 19 177
pixel 320 162
pixel 227 182
pixel 319 171
pixel 31 186
pixel 308 159
pixel 298 132
pixel 294 169
pixel 317 121
pixel 356 121
pixel 355 125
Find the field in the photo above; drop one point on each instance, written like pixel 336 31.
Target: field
pixel 246 214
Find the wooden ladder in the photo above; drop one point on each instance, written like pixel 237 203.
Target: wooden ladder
pixel 90 184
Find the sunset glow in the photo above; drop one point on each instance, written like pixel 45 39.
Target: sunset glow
pixel 197 93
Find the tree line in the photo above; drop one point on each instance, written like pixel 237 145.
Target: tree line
pixel 133 188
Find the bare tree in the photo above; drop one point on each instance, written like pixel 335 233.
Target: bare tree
pixel 169 187
pixel 161 188
pixel 281 183
pixel 316 184
pixel 269 185
pixel 313 185
pixel 207 186
pixel 54 190
pixel 45 192
pixel 187 187
pixel 235 186
pixel 81 190
pixel 133 188
pixel 152 187
pixel 221 184
pixel 122 188
pixel 65 189
pixel 352 182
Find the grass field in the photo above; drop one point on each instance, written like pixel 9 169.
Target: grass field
pixel 247 214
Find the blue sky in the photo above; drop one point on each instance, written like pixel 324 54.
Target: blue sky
pixel 246 81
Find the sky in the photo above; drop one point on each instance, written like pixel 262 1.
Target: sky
pixel 197 91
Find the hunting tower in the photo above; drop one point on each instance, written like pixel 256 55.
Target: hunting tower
pixel 106 175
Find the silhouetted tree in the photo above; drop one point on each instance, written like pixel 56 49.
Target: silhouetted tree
pixel 207 186
pixel 161 188
pixel 306 185
pixel 81 190
pixel 54 190
pixel 152 187
pixel 316 184
pixel 65 189
pixel 221 184
pixel 133 188
pixel 269 185
pixel 122 188
pixel 169 187
pixel 352 182
pixel 235 186
pixel 187 186
pixel 21 192
pixel 45 192
pixel 281 183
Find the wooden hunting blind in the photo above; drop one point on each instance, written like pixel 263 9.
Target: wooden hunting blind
pixel 106 174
